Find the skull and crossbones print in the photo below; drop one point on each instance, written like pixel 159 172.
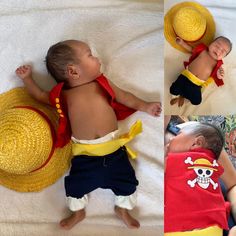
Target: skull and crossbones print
pixel 204 169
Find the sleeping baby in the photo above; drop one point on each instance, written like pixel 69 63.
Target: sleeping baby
pixel 194 203
pixel 92 105
pixel 204 63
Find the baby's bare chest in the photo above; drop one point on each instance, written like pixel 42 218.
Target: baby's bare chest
pixel 87 98
pixel 202 65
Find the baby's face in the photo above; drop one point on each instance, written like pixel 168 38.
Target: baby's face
pixel 219 49
pixel 89 65
pixel 183 142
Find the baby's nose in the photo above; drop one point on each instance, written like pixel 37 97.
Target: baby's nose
pixel 97 60
pixel 218 52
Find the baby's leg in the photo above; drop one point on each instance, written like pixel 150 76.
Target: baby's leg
pixel 122 181
pixel 123 205
pixel 177 86
pixel 77 206
pixel 193 93
pixel 179 100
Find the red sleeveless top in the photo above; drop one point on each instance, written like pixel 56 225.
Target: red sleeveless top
pixel 193 197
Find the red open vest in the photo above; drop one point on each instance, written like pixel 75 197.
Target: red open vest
pixel 57 101
pixel 193 201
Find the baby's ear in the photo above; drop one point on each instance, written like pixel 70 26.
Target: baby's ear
pixel 199 142
pixel 73 72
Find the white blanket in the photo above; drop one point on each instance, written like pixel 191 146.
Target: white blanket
pixel 215 100
pixel 127 36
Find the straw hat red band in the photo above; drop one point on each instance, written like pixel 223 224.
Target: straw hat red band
pixel 202 166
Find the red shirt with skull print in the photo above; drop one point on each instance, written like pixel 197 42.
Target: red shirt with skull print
pixel 193 197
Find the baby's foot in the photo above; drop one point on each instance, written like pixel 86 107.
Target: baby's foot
pixel 181 101
pixel 124 215
pixel 72 220
pixel 179 41
pixel 220 73
pixel 174 100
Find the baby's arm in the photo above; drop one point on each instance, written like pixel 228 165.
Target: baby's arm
pixel 183 44
pixel 229 179
pixel 25 73
pixel 129 100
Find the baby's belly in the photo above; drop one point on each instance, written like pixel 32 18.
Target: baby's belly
pixel 94 124
pixel 202 72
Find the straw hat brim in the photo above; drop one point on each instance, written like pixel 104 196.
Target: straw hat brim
pixel 169 31
pixel 203 167
pixel 59 162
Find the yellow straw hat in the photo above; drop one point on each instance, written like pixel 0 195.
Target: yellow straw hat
pixel 203 164
pixel 190 21
pixel 29 160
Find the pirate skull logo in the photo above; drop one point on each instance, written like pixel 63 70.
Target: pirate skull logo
pixel 204 169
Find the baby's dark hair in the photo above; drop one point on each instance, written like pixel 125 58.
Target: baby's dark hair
pixel 214 139
pixel 227 40
pixel 58 57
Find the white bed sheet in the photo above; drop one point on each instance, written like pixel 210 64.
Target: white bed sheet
pixel 127 36
pixel 215 100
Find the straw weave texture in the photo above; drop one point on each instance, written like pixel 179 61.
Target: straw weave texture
pixel 190 27
pixel 25 144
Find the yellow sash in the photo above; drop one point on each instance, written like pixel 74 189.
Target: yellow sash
pixel 106 148
pixel 210 231
pixel 194 79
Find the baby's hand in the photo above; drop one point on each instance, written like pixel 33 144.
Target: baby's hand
pixel 153 108
pixel 179 41
pixel 232 231
pixel 24 72
pixel 220 73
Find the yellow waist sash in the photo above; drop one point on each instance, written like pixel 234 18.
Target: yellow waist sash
pixel 106 148
pixel 194 79
pixel 210 231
